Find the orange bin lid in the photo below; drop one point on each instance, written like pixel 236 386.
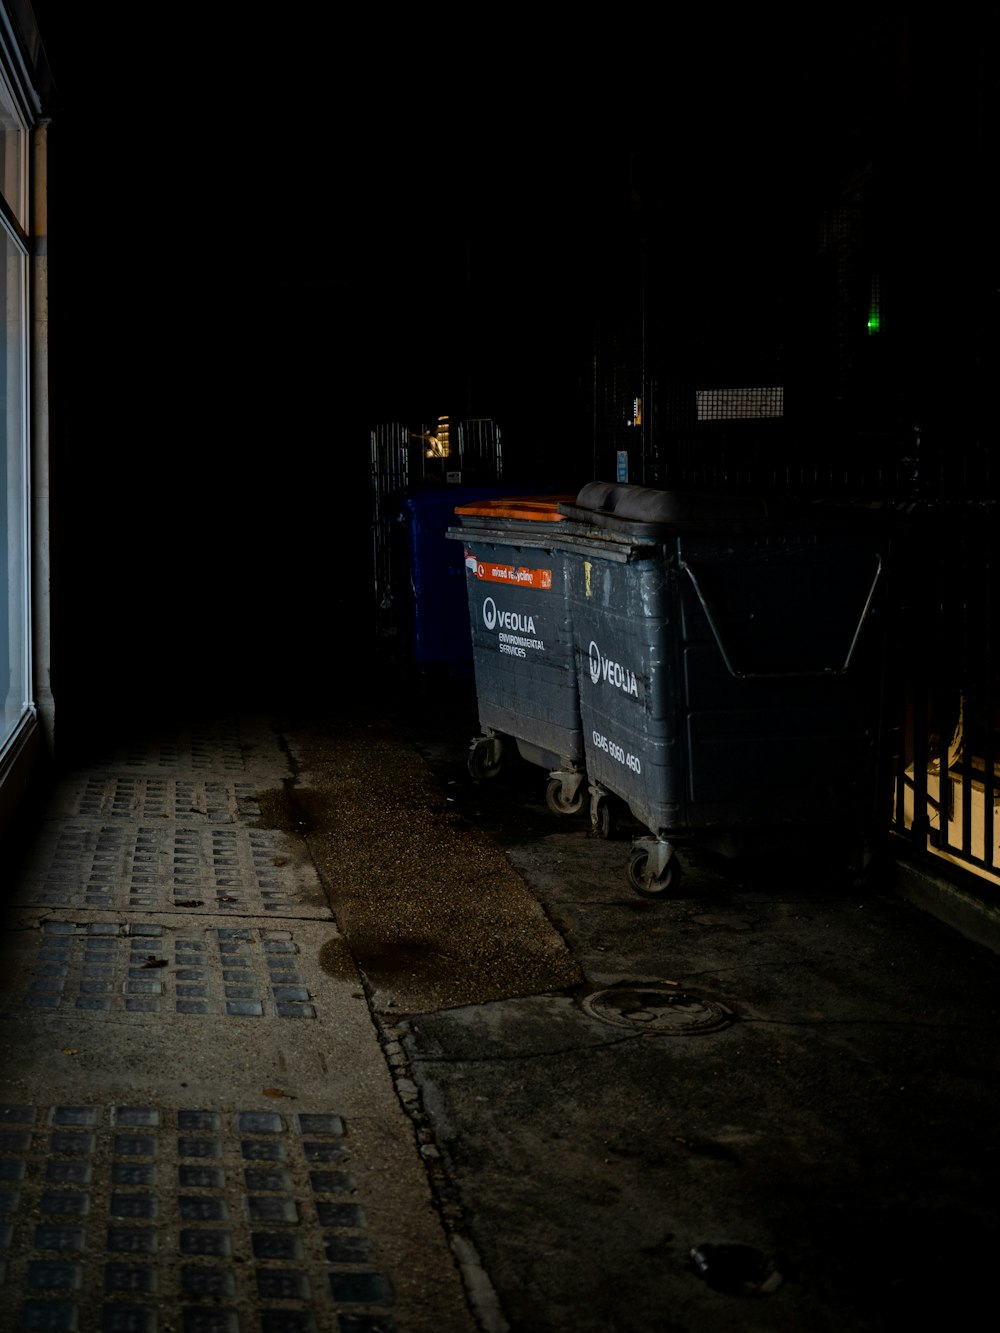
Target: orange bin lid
pixel 534 508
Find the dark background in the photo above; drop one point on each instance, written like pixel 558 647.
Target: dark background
pixel 266 237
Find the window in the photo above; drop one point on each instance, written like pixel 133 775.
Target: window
pixel 15 660
pixel 13 160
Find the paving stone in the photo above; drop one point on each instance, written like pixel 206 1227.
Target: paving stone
pixel 215 1243
pixel 49 1317
pixel 54 1275
pixel 130 1277
pixel 153 867
pixel 76 1172
pixel 282 1284
pixel 287 1321
pixel 154 901
pixel 145 968
pixel 365 1323
pixel 276 1245
pixel 361 1288
pixel 126 1241
pixel 129 1319
pixel 214 1282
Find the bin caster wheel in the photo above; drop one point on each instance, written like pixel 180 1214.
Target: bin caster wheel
pixel 605 822
pixel 647 884
pixel 485 759
pixel 561 804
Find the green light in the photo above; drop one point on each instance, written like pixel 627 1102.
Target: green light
pixel 875 306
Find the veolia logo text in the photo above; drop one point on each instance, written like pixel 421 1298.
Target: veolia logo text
pixel 612 673
pixel 493 618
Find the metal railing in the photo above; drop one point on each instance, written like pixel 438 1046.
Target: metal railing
pixel 943 689
pixel 392 461
pixel 942 676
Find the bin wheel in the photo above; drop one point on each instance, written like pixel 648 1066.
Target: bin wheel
pixel 606 821
pixel 648 885
pixel 485 759
pixel 561 804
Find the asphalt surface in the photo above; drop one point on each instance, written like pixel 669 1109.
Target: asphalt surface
pixel 455 1072
pixel 771 1102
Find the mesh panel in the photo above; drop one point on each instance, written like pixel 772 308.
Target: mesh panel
pixel 740 404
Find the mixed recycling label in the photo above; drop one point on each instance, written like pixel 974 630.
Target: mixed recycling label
pixel 488 571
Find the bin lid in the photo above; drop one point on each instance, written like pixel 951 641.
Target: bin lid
pixel 530 508
pixel 646 509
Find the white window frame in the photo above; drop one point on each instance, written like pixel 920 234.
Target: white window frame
pixel 22 123
pixel 17 527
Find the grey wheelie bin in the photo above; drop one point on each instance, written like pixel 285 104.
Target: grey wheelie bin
pixel 522 645
pixel 729 657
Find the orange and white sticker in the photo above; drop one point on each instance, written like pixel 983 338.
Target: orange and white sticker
pixel 489 572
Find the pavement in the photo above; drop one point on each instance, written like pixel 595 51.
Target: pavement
pixel 304 1029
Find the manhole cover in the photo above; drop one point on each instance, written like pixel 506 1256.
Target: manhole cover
pixel 655 1007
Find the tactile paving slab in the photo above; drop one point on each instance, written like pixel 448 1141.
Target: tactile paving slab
pixel 144 1218
pixel 166 962
pixel 106 967
pixel 214 745
pixel 142 796
pixel 152 867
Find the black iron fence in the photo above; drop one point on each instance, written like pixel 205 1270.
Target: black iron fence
pixel 943 696
pixel 942 679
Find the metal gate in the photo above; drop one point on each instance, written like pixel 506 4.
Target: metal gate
pixel 403 460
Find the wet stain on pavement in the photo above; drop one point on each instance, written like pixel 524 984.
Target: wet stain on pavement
pixel 276 811
pixel 336 961
pixel 431 910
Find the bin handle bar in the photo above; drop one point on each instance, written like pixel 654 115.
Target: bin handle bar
pixel 772 675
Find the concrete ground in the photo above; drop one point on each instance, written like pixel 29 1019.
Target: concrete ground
pixel 303 1029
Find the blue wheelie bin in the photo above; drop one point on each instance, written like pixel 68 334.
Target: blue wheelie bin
pixel 438 611
pixel 522 644
pixel 729 660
